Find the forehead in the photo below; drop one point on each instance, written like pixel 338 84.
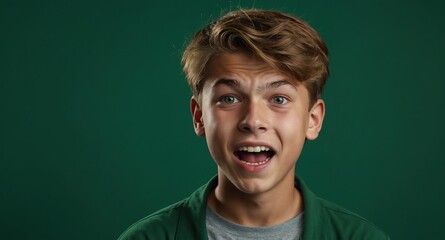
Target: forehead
pixel 241 65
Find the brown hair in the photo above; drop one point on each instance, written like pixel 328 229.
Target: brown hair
pixel 285 42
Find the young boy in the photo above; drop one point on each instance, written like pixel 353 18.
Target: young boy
pixel 257 78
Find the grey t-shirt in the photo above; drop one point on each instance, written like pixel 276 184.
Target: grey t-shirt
pixel 219 228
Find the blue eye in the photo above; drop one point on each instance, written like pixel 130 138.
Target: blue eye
pixel 228 99
pixel 280 100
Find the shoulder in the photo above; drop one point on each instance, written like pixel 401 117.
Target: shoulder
pixel 182 220
pixel 349 225
pixel 159 225
pixel 327 220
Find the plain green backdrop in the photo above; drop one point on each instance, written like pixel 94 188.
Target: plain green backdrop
pixel 95 129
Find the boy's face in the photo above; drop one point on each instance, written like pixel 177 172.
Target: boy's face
pixel 255 121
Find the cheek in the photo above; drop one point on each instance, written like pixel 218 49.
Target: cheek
pixel 219 128
pixel 222 122
pixel 292 120
pixel 292 129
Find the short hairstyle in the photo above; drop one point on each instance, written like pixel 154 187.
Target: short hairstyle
pixel 285 42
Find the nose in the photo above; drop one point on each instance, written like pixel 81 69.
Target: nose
pixel 254 118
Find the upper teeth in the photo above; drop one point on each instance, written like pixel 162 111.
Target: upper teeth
pixel 254 149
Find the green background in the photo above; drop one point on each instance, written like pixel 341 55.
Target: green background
pixel 95 130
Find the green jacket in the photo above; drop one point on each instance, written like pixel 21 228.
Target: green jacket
pixel 186 220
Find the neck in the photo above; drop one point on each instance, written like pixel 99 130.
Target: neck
pixel 277 205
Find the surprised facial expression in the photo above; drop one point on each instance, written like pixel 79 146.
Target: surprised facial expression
pixel 255 121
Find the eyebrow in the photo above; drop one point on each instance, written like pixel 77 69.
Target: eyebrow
pixel 228 82
pixel 278 83
pixel 235 84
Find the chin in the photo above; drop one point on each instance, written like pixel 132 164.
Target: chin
pixel 253 185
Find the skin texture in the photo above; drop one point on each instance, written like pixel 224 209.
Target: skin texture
pixel 245 102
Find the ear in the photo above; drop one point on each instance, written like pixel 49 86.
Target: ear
pixel 198 123
pixel 316 116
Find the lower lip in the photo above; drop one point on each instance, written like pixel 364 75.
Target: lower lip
pixel 252 168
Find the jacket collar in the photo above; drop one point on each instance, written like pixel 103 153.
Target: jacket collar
pixel 192 219
pixel 192 225
pixel 312 218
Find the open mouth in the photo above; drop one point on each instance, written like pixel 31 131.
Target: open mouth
pixel 254 155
